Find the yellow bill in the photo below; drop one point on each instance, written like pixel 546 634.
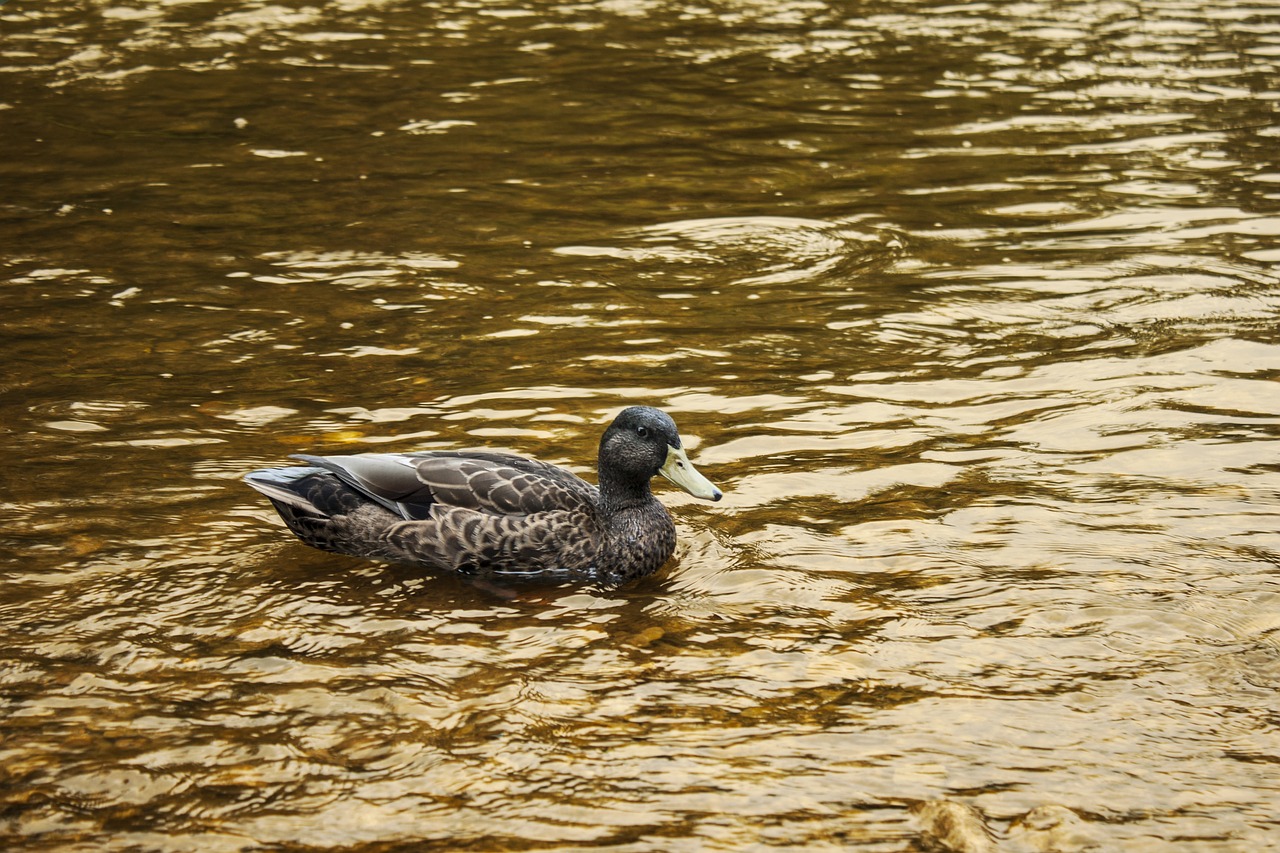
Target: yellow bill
pixel 679 470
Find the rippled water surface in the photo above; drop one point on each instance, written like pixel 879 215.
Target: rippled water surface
pixel 971 309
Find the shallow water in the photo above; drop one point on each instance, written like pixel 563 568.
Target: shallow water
pixel 971 309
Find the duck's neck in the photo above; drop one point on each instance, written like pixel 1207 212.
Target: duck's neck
pixel 620 492
pixel 639 538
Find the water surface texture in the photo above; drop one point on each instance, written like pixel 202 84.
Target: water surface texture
pixel 971 309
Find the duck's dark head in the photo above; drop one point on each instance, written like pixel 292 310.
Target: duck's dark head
pixel 642 442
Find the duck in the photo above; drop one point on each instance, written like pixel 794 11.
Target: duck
pixel 492 514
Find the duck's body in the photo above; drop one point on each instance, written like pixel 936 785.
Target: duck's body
pixel 480 512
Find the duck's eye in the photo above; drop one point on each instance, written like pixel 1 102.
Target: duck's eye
pixel 642 431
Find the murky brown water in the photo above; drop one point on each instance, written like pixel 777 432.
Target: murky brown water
pixel 971 309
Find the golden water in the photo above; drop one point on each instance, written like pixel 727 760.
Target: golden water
pixel 971 310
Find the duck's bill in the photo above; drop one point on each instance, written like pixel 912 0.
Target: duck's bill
pixel 679 470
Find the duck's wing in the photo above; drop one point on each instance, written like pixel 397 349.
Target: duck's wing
pixel 411 484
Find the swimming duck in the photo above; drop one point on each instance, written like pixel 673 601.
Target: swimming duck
pixel 479 512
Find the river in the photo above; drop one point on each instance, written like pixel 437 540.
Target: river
pixel 970 309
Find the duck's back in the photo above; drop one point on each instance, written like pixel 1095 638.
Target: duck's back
pixel 501 483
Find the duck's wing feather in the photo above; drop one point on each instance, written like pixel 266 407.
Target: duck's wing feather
pixel 411 484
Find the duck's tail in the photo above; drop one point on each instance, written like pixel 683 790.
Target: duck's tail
pixel 319 508
pixel 286 486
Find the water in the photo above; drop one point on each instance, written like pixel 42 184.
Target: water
pixel 971 310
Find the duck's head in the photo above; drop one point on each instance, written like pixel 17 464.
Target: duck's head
pixel 642 442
